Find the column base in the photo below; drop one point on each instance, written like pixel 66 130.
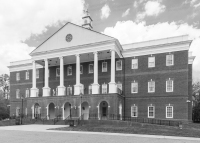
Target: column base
pixel 77 89
pixel 95 88
pixel 112 87
pixel 61 90
pixel 34 92
pixel 46 91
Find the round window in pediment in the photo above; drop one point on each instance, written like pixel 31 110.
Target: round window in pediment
pixel 69 37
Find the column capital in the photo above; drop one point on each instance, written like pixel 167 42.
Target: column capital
pixel 45 59
pixel 61 57
pixel 96 52
pixel 77 55
pixel 112 50
pixel 33 61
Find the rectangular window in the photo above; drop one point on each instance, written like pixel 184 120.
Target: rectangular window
pixel 104 67
pixel 17 93
pixel 57 72
pixel 17 76
pixel 69 70
pixel 134 111
pixel 118 65
pixel 151 111
pixel 151 86
pixel 119 88
pixel 27 75
pixel 91 68
pixel 104 88
pixel 27 93
pixel 90 89
pixel 134 63
pixel 151 62
pixel 169 85
pixel 69 90
pixel 134 87
pixel 37 73
pixel 37 93
pixel 81 69
pixel 169 111
pixel 170 60
pixel 82 89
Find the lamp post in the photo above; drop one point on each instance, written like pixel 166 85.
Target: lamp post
pixel 22 108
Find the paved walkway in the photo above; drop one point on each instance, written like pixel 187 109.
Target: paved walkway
pixel 40 134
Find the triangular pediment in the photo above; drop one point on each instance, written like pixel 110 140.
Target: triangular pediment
pixel 79 35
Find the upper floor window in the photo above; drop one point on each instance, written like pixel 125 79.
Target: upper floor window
pixel 37 92
pixel 170 60
pixel 27 93
pixel 134 63
pixel 119 87
pixel 82 89
pixel 37 73
pixel 134 111
pixel 57 72
pixel 151 111
pixel 81 69
pixel 151 86
pixel 169 85
pixel 91 68
pixel 104 88
pixel 169 111
pixel 17 93
pixel 69 70
pixel 151 62
pixel 90 89
pixel 27 75
pixel 69 90
pixel 17 76
pixel 104 66
pixel 118 65
pixel 134 87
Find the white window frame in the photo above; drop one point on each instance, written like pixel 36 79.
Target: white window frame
pixel 27 75
pixel 90 89
pixel 68 68
pixel 17 94
pixel 153 112
pixel 57 72
pixel 37 92
pixel 81 69
pixel 134 64
pixel 151 62
pixel 154 86
pixel 91 70
pixel 117 67
pixel 134 85
pixel 27 93
pixel 37 73
pixel 104 69
pixel 18 112
pixel 69 90
pixel 134 109
pixel 168 85
pixel 82 89
pixel 170 60
pixel 172 111
pixel 17 76
pixel 104 88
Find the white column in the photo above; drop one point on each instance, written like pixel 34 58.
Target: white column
pixel 47 112
pixel 95 85
pixel 61 88
pixel 32 108
pixel 46 89
pixel 63 112
pixel 112 84
pixel 33 89
pixel 77 86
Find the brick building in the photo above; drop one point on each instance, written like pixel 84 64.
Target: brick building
pixel 78 71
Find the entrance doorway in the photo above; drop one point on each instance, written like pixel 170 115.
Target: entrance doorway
pixel 85 110
pixel 103 110
pixel 67 110
pixel 51 111
pixel 37 113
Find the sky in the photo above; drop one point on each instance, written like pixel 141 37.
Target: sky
pixel 25 24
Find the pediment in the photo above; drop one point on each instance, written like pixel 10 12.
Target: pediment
pixel 70 35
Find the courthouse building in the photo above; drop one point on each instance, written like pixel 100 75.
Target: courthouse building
pixel 78 71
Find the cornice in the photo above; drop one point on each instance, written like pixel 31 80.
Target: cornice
pixel 191 59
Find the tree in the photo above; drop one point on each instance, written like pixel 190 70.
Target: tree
pixel 196 102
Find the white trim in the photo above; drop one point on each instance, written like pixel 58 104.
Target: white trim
pixel 106 68
pixel 135 63
pixel 57 75
pixel 136 107
pixel 17 76
pixel 90 69
pixel 27 75
pixel 69 90
pixel 134 83
pixel 167 85
pixel 153 112
pixel 151 62
pixel 119 68
pixel 68 70
pixel 153 85
pixel 17 94
pixel 81 69
pixel 172 111
pixel 168 59
pixel 104 89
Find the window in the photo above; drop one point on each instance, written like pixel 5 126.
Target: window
pixel 134 87
pixel 104 67
pixel 91 68
pixel 27 93
pixel 169 85
pixel 69 70
pixel 104 88
pixel 27 75
pixel 37 73
pixel 151 62
pixel 81 69
pixel 119 88
pixel 69 90
pixel 17 93
pixel 17 111
pixel 37 93
pixel 82 89
pixel 17 76
pixel 169 111
pixel 118 65
pixel 170 60
pixel 151 111
pixel 90 89
pixel 134 111
pixel 57 72
pixel 134 63
pixel 151 86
